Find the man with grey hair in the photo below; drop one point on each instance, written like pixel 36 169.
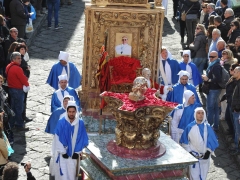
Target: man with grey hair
pixel 229 17
pixel 216 36
pixel 221 45
pixel 211 11
pixel 17 84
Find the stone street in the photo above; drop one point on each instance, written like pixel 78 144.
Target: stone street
pixel 35 145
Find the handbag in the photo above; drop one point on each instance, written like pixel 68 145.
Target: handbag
pixel 183 15
pixel 29 27
pixel 205 87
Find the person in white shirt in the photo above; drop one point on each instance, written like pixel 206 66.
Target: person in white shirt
pixel 124 48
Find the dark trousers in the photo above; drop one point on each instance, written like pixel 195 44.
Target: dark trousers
pixel 175 7
pixel 229 118
pixel 182 27
pixel 24 106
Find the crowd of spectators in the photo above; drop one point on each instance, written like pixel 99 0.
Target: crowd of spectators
pixel 213 37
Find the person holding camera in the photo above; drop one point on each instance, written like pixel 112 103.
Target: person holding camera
pixel 11 170
pixel 27 167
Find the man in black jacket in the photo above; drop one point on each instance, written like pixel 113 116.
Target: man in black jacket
pixel 18 17
pixel 10 39
pixel 211 11
pixel 229 17
pixel 236 110
pixel 222 27
pixel 213 78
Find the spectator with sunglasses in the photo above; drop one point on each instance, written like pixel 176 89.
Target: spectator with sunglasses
pixel 235 106
pixel 203 12
pixel 228 96
pixel 234 32
pixel 213 78
pixel 235 48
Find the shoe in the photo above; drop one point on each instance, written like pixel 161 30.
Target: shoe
pixel 58 27
pixel 27 119
pixel 69 3
pixel 22 128
pixel 49 27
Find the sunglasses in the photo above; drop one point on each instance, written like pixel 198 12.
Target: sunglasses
pixel 124 39
pixel 231 69
pixel 203 7
pixel 212 56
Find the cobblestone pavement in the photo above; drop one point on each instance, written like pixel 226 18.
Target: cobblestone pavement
pixel 35 145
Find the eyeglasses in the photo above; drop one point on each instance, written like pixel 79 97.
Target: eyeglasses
pixel 212 56
pixel 203 7
pixel 231 69
pixel 124 39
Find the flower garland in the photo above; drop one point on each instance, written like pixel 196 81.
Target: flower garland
pixel 150 100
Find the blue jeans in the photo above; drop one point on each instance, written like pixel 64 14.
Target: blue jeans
pixel 212 108
pixel 200 63
pixel 237 129
pixel 53 5
pixel 17 98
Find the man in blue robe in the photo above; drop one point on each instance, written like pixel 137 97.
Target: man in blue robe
pixel 64 89
pixel 69 140
pixel 186 65
pixel 57 114
pixel 199 140
pixel 64 67
pixel 176 93
pixel 182 115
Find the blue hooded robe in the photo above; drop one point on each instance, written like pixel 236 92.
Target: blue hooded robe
pixel 74 80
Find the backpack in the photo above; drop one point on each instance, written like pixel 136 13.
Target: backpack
pixel 225 78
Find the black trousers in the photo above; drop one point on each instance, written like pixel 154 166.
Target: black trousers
pixel 175 7
pixel 182 27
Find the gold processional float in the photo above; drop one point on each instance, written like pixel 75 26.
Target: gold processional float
pixel 131 32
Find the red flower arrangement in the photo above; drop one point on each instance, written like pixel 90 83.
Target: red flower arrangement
pixel 124 69
pixel 150 100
